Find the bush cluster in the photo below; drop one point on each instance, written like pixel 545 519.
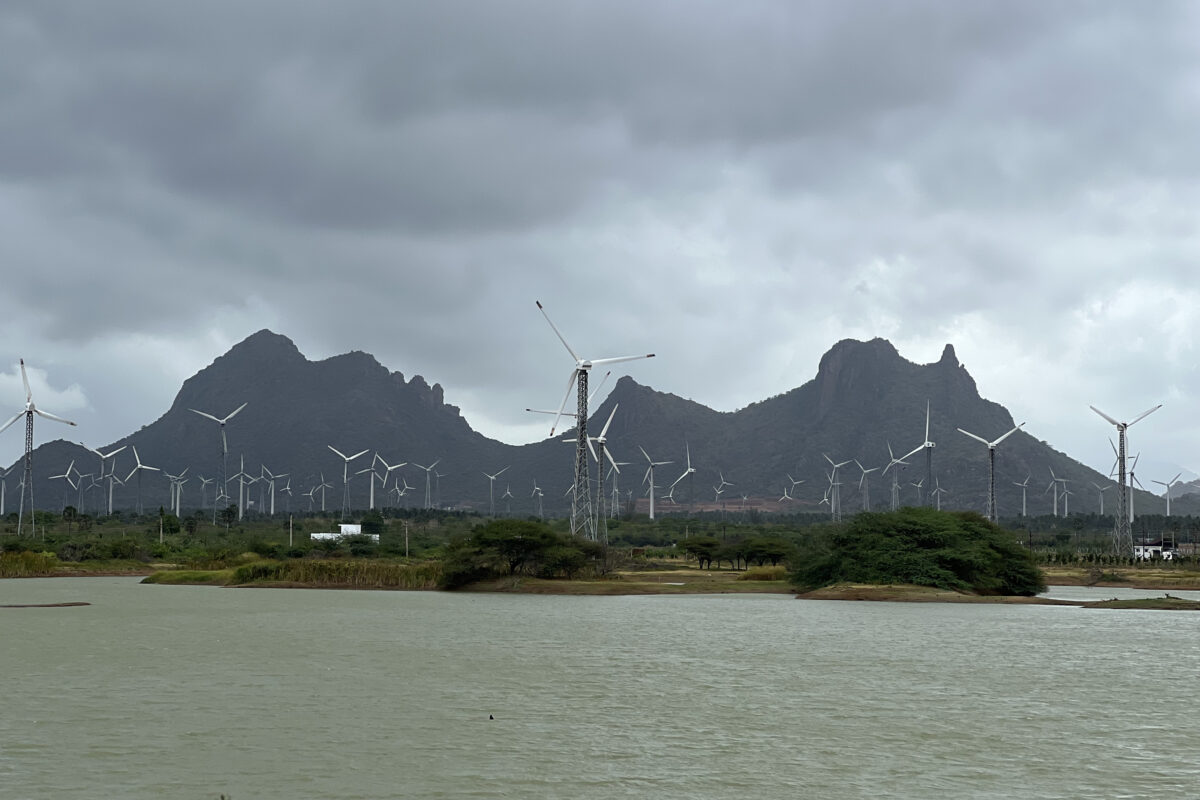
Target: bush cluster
pixel 515 547
pixel 961 551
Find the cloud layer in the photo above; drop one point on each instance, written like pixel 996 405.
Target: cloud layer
pixel 733 186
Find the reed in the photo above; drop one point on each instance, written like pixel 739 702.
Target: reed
pixel 342 572
pixel 775 573
pixel 26 564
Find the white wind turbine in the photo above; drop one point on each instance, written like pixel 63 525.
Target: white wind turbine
pixel 537 492
pixel 927 446
pixel 492 490
pixel 241 479
pixel 991 446
pixel 66 478
pixel 223 478
pixel 428 482
pixel 1132 480
pixel 601 441
pixel 138 469
pixel 104 457
pixel 1054 488
pixel 270 478
pixel 1024 486
pixel 650 476
pixel 835 497
pixel 346 477
pixel 28 412
pixel 615 471
pixel 507 498
pixel 204 482
pixel 864 485
pixel 892 462
pixel 388 469
pixel 1122 530
pixel 1100 490
pixel 938 492
pixel 309 494
pixel 4 487
pixel 1167 489
pixel 688 470
pixel 582 521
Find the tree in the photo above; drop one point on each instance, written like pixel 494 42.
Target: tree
pixel 372 523
pixel 703 548
pixel 960 551
pixel 228 515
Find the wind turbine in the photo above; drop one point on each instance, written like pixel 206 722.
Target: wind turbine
pixel 139 469
pixel 835 495
pixel 507 498
pixel 927 446
pixel 104 457
pixel 323 485
pixel 223 478
pixel 1122 529
pixel 1100 492
pixel 892 462
pixel 537 492
pixel 1167 487
pixel 601 441
pixel 387 470
pixel 4 487
pixel 1132 480
pixel 991 446
pixel 650 476
pixel 346 477
pixel 428 483
pixel 938 492
pixel 1053 487
pixel 492 490
pixel 864 485
pixel 1025 485
pixel 27 480
pixel 204 482
pixel 688 470
pixel 581 516
pixel 66 476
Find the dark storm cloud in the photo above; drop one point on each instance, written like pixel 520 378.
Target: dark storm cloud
pixel 721 183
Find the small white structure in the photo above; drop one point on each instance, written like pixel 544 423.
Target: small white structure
pixel 344 530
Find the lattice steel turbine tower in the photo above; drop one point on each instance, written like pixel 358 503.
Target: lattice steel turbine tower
pixel 27 481
pixel 583 521
pixel 1122 530
pixel 991 446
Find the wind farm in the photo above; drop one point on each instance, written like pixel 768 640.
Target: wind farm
pixel 634 422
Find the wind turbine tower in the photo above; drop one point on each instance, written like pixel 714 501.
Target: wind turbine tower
pixel 650 476
pixel 991 446
pixel 582 520
pixel 1122 530
pixel 428 481
pixel 27 479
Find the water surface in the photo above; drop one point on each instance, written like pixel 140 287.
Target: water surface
pixel 157 691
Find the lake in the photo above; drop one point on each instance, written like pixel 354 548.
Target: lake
pixel 163 691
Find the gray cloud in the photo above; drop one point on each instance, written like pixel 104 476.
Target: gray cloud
pixel 734 186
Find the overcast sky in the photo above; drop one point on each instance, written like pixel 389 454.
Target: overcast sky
pixel 733 186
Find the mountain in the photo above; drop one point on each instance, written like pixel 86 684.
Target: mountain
pixel 863 396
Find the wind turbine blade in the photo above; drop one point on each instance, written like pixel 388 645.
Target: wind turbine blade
pixel 25 380
pixel 1176 477
pixel 912 452
pixel 201 413
pixel 113 453
pixel 501 472
pixel 233 413
pixel 1106 416
pixel 604 430
pixel 11 421
pixel 602 361
pixel 359 453
pixel 592 450
pixel 48 415
pixel 973 436
pixel 645 453
pixel 596 391
pixel 1005 436
pixel 927 420
pixel 1145 414
pixel 609 456
pixel 339 452
pixel 130 475
pixel 556 331
pixel 566 397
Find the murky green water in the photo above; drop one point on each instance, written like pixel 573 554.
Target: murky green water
pixel 193 692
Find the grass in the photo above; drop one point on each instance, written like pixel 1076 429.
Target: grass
pixel 1150 576
pixel 775 573
pixel 28 565
pixel 190 577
